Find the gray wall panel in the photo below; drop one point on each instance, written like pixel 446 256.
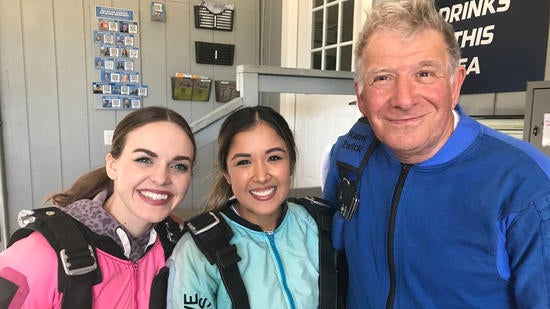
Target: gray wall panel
pixel 179 45
pixel 42 98
pixel 72 88
pixel 153 56
pixel 13 101
pixel 51 129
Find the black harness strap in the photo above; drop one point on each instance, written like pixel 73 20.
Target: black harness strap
pixel 77 271
pixel 331 294
pixel 169 231
pixel 212 235
pixel 347 192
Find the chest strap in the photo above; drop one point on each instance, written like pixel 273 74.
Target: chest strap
pixel 77 262
pixel 350 175
pixel 212 235
pixel 332 275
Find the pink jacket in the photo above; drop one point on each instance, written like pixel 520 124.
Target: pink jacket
pixel 31 263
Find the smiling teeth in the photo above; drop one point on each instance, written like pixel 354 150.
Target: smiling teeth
pixel 154 196
pixel 263 192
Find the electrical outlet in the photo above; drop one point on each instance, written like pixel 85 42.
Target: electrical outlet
pixel 108 136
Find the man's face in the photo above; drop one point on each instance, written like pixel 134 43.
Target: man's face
pixel 408 96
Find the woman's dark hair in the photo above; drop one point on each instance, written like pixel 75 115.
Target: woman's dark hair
pixel 90 184
pixel 239 121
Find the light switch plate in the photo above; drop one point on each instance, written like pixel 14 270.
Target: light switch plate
pixel 108 136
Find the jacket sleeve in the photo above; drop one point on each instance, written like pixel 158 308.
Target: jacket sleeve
pixel 28 274
pixel 528 247
pixel 192 282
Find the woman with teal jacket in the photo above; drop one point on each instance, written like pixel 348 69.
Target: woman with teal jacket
pixel 277 241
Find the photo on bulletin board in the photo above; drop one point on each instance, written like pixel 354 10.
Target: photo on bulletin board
pixel 136 103
pixel 116 89
pixel 115 102
pixel 106 102
pixel 143 91
pixel 99 63
pixel 133 28
pixel 98 37
pixel 127 102
pixel 124 26
pixel 134 78
pixel 104 51
pixel 107 89
pixel 97 87
pixel 103 25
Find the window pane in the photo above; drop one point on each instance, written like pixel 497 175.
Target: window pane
pixel 330 59
pixel 316 60
pixel 345 58
pixel 317 3
pixel 347 21
pixel 332 25
pixel 317 31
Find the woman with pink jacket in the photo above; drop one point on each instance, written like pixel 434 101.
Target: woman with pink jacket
pixel 117 209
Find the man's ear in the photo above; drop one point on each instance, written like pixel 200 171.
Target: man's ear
pixel 111 166
pixel 458 80
pixel 359 98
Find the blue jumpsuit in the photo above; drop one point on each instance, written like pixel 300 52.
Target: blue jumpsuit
pixel 468 228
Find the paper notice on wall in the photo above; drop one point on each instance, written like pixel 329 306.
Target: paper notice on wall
pixel 546 131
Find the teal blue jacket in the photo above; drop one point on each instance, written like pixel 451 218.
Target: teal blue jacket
pixel 280 269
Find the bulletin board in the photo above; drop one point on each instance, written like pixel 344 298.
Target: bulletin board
pixel 116 60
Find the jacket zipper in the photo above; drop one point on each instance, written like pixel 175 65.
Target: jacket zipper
pixel 136 280
pixel 281 269
pixel 405 168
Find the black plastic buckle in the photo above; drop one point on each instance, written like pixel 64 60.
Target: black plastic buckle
pixel 347 198
pixel 78 262
pixel 200 226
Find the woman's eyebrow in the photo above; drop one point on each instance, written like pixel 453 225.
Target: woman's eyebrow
pixel 240 155
pixel 148 152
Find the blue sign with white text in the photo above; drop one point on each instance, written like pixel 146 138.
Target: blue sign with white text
pixel 503 42
pixel 114 13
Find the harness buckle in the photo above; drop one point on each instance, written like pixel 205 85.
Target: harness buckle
pixel 78 262
pixel 25 217
pixel 347 198
pixel 200 226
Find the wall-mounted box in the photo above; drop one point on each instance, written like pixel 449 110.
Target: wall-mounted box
pixel 214 53
pixel 225 90
pixel 221 19
pixel 191 87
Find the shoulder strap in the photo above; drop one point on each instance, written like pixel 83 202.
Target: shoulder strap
pixel 169 232
pixel 331 276
pixel 77 262
pixel 212 235
pixel 356 148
